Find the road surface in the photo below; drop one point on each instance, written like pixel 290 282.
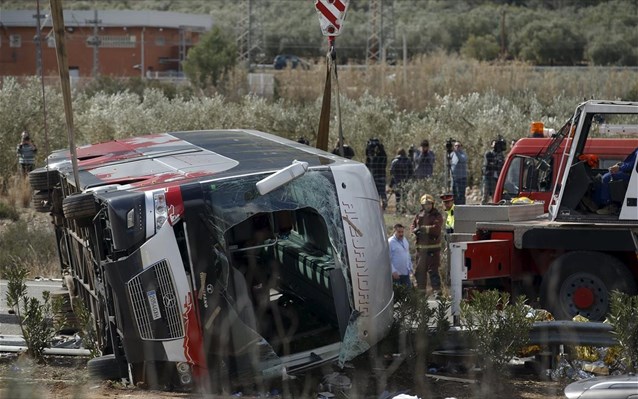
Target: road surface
pixel 9 322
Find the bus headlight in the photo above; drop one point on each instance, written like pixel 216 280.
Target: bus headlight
pixel 161 211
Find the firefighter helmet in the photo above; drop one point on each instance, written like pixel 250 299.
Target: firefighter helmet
pixel 426 198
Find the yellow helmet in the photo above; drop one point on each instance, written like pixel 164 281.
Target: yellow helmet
pixel 522 200
pixel 426 198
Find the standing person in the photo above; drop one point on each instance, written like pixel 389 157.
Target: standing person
pixel 377 161
pixel 348 152
pixel 493 161
pixel 427 228
pixel 424 161
pixel 458 168
pixel 400 171
pixel 26 151
pixel 400 259
pixel 448 205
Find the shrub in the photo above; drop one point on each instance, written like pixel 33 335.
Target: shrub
pixel 34 316
pixel 624 317
pixel 8 212
pixel 497 328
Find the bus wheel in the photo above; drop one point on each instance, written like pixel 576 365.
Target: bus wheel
pixel 43 179
pixel 105 368
pixel 580 283
pixel 80 207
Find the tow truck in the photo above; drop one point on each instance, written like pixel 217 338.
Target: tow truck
pixel 571 258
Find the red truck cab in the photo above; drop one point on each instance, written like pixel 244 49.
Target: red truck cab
pixel 519 176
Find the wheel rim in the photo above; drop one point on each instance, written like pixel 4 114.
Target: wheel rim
pixel 584 294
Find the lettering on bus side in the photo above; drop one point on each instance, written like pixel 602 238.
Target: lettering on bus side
pixel 362 273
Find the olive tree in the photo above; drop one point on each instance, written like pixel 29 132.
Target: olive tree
pixel 213 56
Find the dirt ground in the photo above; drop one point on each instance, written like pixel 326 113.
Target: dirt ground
pixel 65 377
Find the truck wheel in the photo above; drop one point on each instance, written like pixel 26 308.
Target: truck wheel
pixel 80 207
pixel 43 179
pixel 41 201
pixel 104 368
pixel 580 283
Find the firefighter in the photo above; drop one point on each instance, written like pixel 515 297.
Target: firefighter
pixel 426 226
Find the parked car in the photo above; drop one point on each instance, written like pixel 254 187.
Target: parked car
pixel 284 61
pixel 609 387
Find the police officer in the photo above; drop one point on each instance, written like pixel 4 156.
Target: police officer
pixel 427 226
pixel 448 205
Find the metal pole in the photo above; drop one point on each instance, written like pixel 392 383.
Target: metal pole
pixel 38 41
pixel 456 250
pixel 63 67
pixel 249 44
pixel 142 65
pixel 95 44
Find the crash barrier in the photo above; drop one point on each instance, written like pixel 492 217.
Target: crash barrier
pixel 551 333
pixel 567 332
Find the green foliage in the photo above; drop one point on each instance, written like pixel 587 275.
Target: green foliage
pixel 624 317
pixel 8 211
pixel 30 246
pixel 34 316
pixel 36 324
pixel 87 327
pixel 110 85
pixel 551 43
pixel 417 326
pixel 498 329
pixel 16 286
pixel 484 48
pixel 442 96
pixel 212 57
pixel 616 50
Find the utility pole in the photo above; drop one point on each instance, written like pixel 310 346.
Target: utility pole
pixel 38 40
pixel 95 42
pixel 503 44
pixel 381 30
pixel 244 45
pixel 374 39
pixel 182 49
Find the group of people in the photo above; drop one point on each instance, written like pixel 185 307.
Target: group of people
pixel 415 163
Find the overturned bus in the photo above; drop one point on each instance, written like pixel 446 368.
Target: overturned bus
pixel 207 257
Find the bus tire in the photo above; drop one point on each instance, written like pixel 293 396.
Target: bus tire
pixel 80 207
pixel 104 368
pixel 43 179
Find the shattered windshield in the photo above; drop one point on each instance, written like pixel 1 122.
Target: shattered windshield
pixel 281 275
pixel 228 203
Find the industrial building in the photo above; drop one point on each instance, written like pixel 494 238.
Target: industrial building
pixel 100 42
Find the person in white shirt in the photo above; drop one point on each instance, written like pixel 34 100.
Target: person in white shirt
pixel 400 256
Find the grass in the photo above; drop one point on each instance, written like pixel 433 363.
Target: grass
pixel 30 245
pixel 18 191
pixel 8 211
